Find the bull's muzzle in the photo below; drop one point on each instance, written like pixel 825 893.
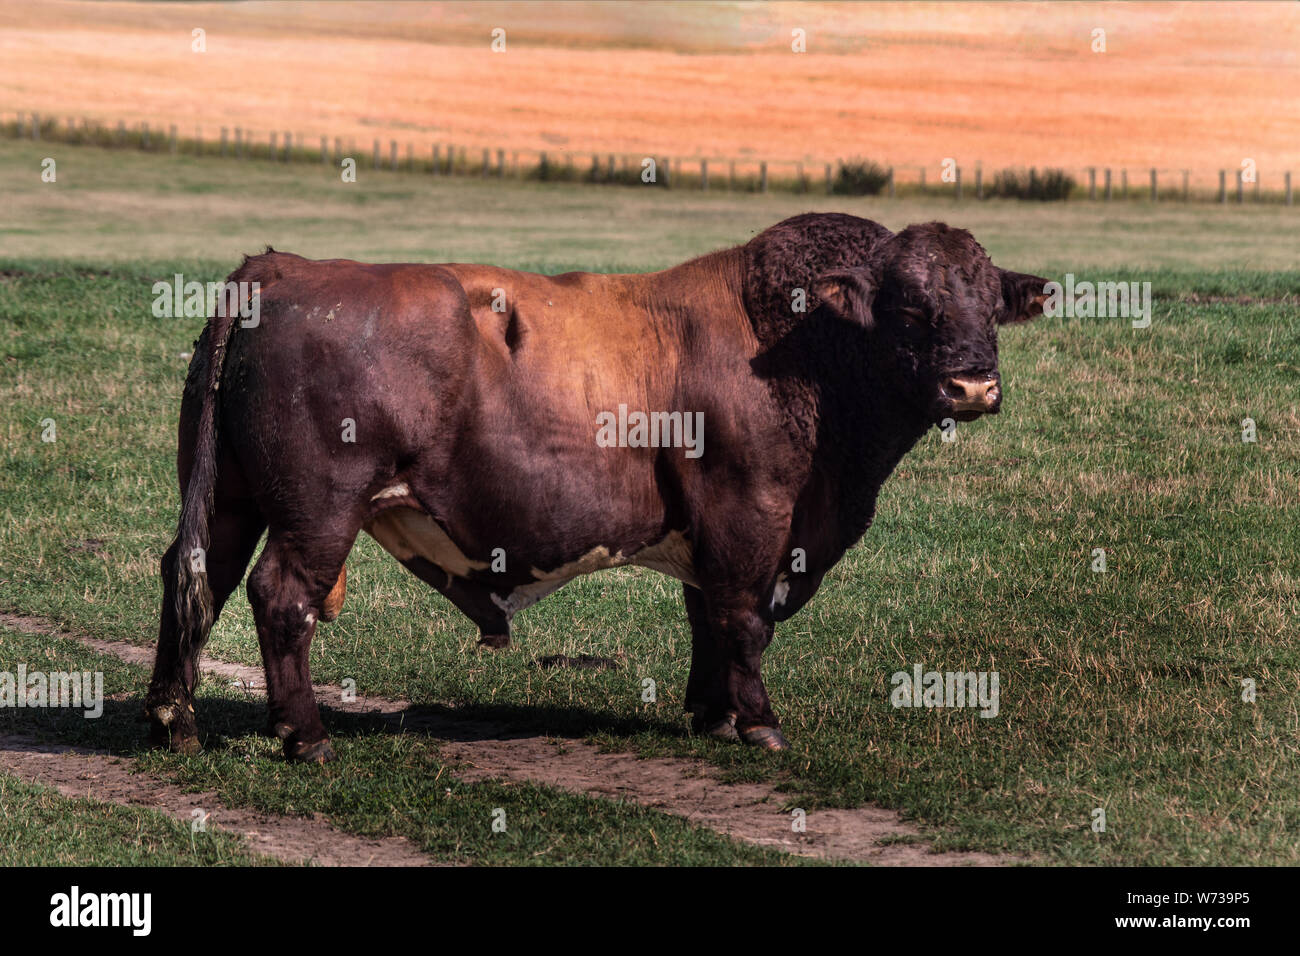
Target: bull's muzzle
pixel 972 397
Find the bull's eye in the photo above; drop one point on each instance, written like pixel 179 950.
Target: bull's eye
pixel 912 318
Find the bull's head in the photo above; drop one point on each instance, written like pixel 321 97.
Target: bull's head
pixel 933 301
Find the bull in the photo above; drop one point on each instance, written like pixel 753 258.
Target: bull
pixel 482 425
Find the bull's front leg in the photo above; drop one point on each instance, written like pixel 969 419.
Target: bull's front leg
pixel 706 692
pixel 725 692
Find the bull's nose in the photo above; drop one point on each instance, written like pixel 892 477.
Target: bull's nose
pixel 982 395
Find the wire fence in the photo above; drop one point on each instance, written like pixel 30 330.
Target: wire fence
pixel 1240 185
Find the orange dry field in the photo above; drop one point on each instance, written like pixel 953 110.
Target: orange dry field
pixel 1194 86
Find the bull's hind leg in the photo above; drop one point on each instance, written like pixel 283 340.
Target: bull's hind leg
pixel 290 590
pixel 169 705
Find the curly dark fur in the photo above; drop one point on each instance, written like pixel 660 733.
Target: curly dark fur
pixel 858 391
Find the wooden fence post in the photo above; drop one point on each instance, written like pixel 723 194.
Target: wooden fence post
pixel 238 147
pixel 1288 187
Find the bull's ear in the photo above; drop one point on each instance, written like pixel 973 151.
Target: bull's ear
pixel 848 294
pixel 1023 296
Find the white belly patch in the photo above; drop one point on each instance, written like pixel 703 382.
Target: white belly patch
pixel 408 533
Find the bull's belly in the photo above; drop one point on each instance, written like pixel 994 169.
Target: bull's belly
pixel 408 533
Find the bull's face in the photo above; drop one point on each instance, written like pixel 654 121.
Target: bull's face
pixel 933 302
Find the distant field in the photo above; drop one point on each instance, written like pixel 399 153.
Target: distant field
pixel 124 206
pixel 1119 690
pixel 1181 86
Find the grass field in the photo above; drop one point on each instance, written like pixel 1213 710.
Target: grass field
pixel 1119 690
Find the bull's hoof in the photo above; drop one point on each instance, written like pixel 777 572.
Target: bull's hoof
pixel 769 738
pixel 177 743
pixel 187 745
pixel 494 641
pixel 278 730
pixel 172 727
pixel 724 729
pixel 318 751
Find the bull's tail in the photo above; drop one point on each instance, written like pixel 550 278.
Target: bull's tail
pixel 194 604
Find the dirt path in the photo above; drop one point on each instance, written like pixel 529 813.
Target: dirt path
pixel 687 788
pixel 99 776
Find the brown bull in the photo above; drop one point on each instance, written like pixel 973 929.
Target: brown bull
pixel 728 422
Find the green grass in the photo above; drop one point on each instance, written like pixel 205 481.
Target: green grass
pixel 116 205
pixel 1118 690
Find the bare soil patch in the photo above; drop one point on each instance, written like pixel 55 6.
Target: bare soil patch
pixel 483 750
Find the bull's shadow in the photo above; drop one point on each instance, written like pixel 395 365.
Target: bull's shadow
pixel 121 729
